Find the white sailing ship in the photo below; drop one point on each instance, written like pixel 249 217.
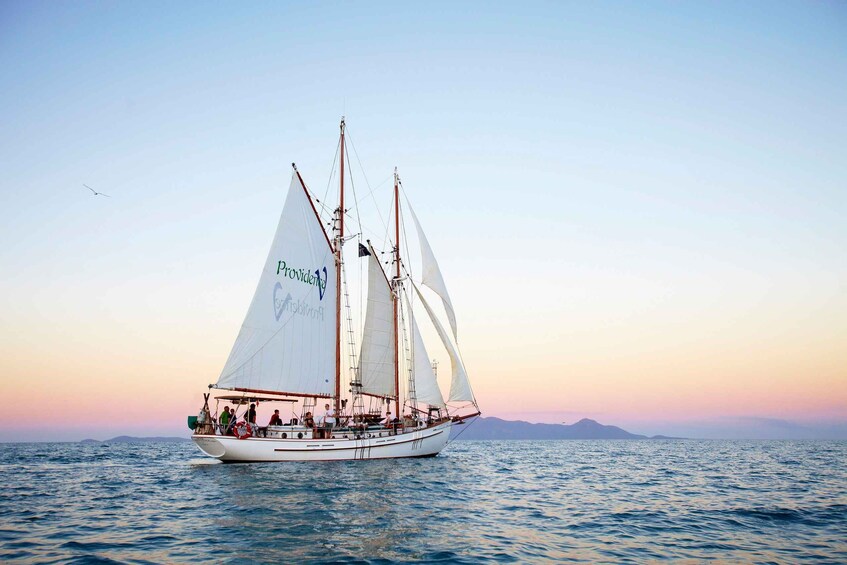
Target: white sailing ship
pixel 289 351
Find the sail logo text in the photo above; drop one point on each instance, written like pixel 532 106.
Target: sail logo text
pixel 299 307
pixel 304 276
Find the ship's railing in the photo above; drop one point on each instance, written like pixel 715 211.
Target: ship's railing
pixel 347 430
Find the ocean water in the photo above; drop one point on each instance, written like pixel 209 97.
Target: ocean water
pixel 510 501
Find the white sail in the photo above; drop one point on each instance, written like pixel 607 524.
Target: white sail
pixel 376 362
pixel 431 274
pixel 426 385
pixel 460 386
pixel 287 340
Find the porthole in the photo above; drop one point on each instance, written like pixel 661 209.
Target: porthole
pixel 300 435
pixel 284 435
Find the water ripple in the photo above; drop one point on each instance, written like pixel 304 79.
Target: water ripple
pixel 497 502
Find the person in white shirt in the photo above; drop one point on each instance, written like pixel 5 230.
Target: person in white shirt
pixel 328 421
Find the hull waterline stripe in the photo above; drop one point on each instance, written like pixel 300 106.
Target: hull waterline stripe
pixel 364 447
pixel 229 461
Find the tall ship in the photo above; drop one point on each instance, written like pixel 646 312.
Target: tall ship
pixel 339 388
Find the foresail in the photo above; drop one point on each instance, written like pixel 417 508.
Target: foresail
pixel 376 362
pixel 287 340
pixel 426 385
pixel 460 386
pixel 431 274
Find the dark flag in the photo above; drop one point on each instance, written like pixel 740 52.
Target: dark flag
pixel 363 251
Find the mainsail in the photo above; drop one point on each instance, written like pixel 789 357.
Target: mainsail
pixel 460 386
pixel 376 362
pixel 431 274
pixel 426 385
pixel 287 341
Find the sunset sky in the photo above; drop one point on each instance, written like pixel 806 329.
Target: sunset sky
pixel 639 208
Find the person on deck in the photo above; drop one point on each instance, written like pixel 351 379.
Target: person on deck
pixel 309 420
pixel 223 419
pixel 275 419
pixel 233 418
pixel 251 414
pixel 328 421
pixel 386 423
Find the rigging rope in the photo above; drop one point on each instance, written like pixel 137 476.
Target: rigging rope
pixel 352 184
pixel 403 228
pixel 331 175
pixel 468 425
pixel 356 153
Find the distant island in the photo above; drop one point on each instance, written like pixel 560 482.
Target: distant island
pixel 131 439
pixel 496 428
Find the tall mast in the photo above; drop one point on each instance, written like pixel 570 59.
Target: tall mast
pixel 338 259
pixel 396 295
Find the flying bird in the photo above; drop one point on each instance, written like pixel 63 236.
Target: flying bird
pixel 95 192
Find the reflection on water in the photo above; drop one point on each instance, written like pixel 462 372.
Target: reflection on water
pixel 480 501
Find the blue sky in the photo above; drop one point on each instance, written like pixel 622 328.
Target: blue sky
pixel 606 185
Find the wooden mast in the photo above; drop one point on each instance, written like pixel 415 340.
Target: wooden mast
pixel 338 244
pixel 396 296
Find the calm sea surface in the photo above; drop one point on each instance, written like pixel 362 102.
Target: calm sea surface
pixel 510 501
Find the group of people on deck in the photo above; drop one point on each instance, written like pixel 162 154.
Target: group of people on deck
pixel 228 420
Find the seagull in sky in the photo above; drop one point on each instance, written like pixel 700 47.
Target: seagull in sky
pixel 95 192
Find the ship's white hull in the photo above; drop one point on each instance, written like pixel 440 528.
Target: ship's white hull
pixel 425 442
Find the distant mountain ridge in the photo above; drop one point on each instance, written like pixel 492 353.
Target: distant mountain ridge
pixel 497 428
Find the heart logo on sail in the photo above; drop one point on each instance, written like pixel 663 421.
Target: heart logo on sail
pixel 322 282
pixel 279 303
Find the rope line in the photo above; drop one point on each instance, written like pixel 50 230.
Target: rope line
pixel 367 182
pixel 331 174
pixel 471 423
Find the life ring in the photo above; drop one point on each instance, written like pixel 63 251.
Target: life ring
pixel 243 430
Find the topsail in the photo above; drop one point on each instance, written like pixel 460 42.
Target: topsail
pixel 431 274
pixel 460 386
pixel 426 385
